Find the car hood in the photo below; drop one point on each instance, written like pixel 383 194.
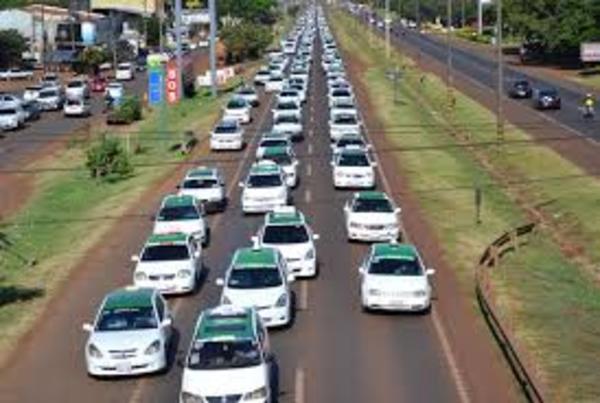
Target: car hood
pixel 203 194
pixel 184 226
pixel 270 192
pixel 396 283
pixel 257 297
pixel 124 340
pixel 171 267
pixel 291 250
pixel 372 218
pixel 354 170
pixel 221 382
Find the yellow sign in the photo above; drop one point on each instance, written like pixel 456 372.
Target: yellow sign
pixel 132 6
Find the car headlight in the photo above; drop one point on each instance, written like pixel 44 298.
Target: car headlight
pixel 140 276
pixel 260 393
pixel 281 301
pixel 391 226
pixel 187 397
pixel 355 225
pixel 93 351
pixel 184 273
pixel 310 255
pixel 420 293
pixel 374 292
pixel 225 300
pixel 153 348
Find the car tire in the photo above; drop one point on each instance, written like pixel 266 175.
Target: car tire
pixel 206 240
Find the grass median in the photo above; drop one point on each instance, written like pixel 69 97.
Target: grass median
pixel 548 292
pixel 70 212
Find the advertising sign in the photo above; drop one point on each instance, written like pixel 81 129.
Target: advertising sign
pixel 145 7
pixel 590 52
pixel 172 85
pixel 155 85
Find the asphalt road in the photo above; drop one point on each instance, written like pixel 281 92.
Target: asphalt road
pixel 332 353
pixel 482 71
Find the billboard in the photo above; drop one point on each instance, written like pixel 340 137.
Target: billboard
pixel 131 6
pixel 590 52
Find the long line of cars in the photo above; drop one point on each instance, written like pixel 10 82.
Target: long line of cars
pixel 229 358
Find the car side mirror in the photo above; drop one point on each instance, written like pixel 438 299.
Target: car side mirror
pixel 135 258
pixel 430 272
pixel 167 322
pixel 346 207
pixel 197 254
pixel 316 237
pixel 397 210
pixel 220 282
pixel 87 327
pixel 332 163
pixel 374 164
pixel 291 278
pixel 361 270
pixel 241 184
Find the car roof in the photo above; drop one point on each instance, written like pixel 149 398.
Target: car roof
pixel 167 239
pixel 353 150
pixel 275 151
pixel 178 201
pixel 401 251
pixel 285 216
pixel 202 172
pixel 370 195
pixel 265 168
pixel 254 257
pixel 226 323
pixel 129 297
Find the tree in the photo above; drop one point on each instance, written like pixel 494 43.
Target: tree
pixel 108 161
pixel 152 27
pixel 258 11
pixel 91 58
pixel 245 39
pixel 12 46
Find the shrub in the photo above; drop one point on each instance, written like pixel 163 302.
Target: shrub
pixel 108 161
pixel 128 111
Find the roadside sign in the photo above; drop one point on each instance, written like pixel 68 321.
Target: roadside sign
pixel 590 52
pixel 155 86
pixel 171 83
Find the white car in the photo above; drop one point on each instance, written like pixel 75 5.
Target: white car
pixel 238 109
pixel 299 85
pixel 258 277
pixel 229 359
pixel 342 105
pixel 286 107
pixel 50 99
pixel 171 263
pixel 182 214
pixel 265 188
pixel 394 278
pixel 114 90
pixel 288 94
pixel 77 89
pixel 288 123
pixel 372 216
pixel 16 74
pixel 249 94
pixel 342 123
pixel 227 135
pixel 77 107
pixel 262 76
pixel 353 168
pixel 300 71
pixel 350 139
pixel 339 93
pixel 272 139
pixel 286 230
pixel 130 335
pixel 11 118
pixel 275 82
pixel 205 184
pixel 10 101
pixel 32 92
pixel 124 72
pixel 50 80
pixel 286 159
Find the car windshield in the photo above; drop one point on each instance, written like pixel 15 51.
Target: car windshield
pixel 286 119
pixel 75 84
pixel 200 183
pixel 278 234
pixel 343 142
pixel 159 253
pixel 264 181
pixel 223 354
pixel 345 119
pixel 236 103
pixel 287 106
pixel 274 143
pixel 353 160
pixel 372 205
pixel 123 319
pixel 74 102
pixel 5 112
pixel 340 93
pixel 396 267
pixel 281 159
pixel 48 94
pixel 178 213
pixel 521 84
pixel 548 93
pixel 255 277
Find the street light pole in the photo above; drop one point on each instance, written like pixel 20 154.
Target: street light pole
pixel 212 9
pixel 500 88
pixel 479 17
pixel 387 29
pixel 449 67
pixel 178 47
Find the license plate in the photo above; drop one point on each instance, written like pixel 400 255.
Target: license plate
pixel 124 367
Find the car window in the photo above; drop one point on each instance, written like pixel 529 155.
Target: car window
pixel 262 181
pixel 256 277
pixel 396 267
pixel 368 205
pixel 282 234
pixel 157 253
pixel 281 159
pixel 356 160
pixel 212 355
pixel 178 213
pixel 124 319
pixel 200 183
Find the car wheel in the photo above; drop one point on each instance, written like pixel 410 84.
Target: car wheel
pixel 206 240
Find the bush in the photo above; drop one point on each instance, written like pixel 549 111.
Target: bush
pixel 128 111
pixel 108 161
pixel 245 40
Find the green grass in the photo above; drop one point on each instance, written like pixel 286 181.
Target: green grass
pixel 54 227
pixel 545 294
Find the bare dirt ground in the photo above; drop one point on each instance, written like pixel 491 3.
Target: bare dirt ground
pixel 485 377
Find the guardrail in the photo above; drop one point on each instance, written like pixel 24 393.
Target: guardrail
pixel 509 241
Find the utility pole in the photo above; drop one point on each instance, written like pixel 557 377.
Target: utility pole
pixel 387 29
pixel 212 9
pixel 500 61
pixel 449 67
pixel 178 47
pixel 114 40
pixel 479 17
pixel 44 37
pixel 463 18
pixel 418 14
pixel 161 23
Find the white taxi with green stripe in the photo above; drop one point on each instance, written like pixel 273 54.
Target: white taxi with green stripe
pixel 207 185
pixel 265 188
pixel 181 214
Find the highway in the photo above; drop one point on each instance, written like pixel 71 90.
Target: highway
pixel 332 353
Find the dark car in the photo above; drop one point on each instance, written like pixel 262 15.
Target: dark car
pixel 520 89
pixel 32 110
pixel 546 98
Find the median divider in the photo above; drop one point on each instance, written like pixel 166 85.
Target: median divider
pixel 516 357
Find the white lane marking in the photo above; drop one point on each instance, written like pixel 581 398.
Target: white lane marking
pixel 457 377
pixel 310 149
pixel 299 385
pixel 136 395
pixel 309 169
pixel 307 196
pixel 303 305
